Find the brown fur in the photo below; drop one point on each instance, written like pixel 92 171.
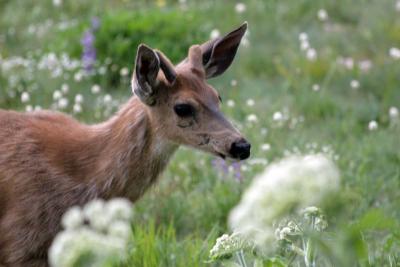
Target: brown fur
pixel 50 162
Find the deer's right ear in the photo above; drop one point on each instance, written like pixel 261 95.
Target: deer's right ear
pixel 219 53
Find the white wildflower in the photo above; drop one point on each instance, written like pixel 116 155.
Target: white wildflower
pixel 85 241
pixel 73 218
pixel 393 112
pixel 264 131
pixel 94 212
pixel 397 5
pixel 354 84
pixel 214 34
pixel 62 103
pixel 69 247
pixel 394 52
pixel 320 224
pixel 250 102
pixel 119 209
pixel 316 87
pixel 372 125
pixel 230 103
pixel 252 118
pixel 311 54
pixel 284 232
pixel 244 167
pixel 257 161
pixel 107 99
pixel 277 116
pixel 57 3
pixel 226 245
pixel 78 76
pixel 304 45
pixel 102 70
pixel 64 88
pixel 349 63
pixel 79 99
pixel 322 15
pixel 124 72
pixel 310 211
pixel 240 8
pixel 25 97
pixel 303 37
pixel 95 89
pixel 265 147
pixel 57 95
pixel 365 65
pixel 77 108
pixel 29 108
pixel 285 186
pixel 234 83
pixel 119 229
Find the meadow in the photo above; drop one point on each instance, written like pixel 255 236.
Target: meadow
pixel 311 76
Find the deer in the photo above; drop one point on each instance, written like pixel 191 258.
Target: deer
pixel 49 161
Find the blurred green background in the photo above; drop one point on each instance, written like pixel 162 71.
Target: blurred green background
pixel 311 76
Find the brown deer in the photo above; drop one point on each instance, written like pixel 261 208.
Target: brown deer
pixel 50 162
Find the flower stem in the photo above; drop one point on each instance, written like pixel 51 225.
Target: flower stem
pixel 241 259
pixel 309 255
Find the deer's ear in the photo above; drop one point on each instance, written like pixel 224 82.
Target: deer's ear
pixel 144 80
pixel 167 67
pixel 219 53
pixel 148 64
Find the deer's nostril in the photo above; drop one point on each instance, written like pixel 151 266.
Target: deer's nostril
pixel 240 149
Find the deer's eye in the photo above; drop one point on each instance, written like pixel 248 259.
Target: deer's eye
pixel 184 110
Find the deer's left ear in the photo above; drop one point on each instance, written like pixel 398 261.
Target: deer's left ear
pixel 219 53
pixel 145 80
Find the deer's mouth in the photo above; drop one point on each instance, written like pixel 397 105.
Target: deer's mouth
pixel 221 155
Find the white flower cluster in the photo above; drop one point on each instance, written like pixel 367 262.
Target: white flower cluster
pixel 373 125
pixel 313 148
pixel 310 52
pixel 284 187
pixel 394 52
pixel 292 233
pixel 95 233
pixel 322 15
pixel 394 116
pixel 315 218
pixel 349 63
pixel 57 64
pixel 226 245
pixel 240 8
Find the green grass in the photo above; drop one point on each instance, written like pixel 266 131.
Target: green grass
pixel 178 220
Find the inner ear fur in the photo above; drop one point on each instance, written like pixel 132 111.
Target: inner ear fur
pixel 167 67
pixel 148 64
pixel 219 53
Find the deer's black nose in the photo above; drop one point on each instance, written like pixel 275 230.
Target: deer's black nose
pixel 240 149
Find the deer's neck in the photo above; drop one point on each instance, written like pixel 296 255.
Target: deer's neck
pixel 132 152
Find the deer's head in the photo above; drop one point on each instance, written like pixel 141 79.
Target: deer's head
pixel 184 107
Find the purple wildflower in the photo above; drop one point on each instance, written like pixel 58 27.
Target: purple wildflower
pixel 237 171
pixel 220 165
pixel 224 168
pixel 89 51
pixel 95 23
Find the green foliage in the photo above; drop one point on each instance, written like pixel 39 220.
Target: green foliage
pixel 121 32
